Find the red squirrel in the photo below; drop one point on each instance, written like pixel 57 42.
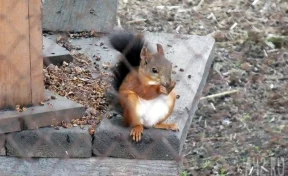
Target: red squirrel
pixel 143 81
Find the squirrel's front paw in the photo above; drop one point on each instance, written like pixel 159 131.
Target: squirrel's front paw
pixel 136 133
pixel 172 84
pixel 171 87
pixel 163 90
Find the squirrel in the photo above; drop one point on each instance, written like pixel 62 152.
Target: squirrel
pixel 143 81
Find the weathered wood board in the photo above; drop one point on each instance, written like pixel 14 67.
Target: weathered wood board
pixel 79 15
pixel 41 116
pixel 82 167
pixel 55 54
pixel 21 64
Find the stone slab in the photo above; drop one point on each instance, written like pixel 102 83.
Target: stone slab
pixel 50 142
pixel 79 15
pixel 55 54
pixel 194 54
pixel 53 110
pixel 2 145
pixel 82 167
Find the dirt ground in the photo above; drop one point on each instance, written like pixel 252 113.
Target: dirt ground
pixel 238 133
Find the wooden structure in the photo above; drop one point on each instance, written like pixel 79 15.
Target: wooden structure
pixel 21 71
pixel 21 61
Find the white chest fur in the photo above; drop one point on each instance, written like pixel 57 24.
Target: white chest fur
pixel 153 111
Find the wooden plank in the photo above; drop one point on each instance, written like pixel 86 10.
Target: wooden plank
pixel 41 116
pixel 92 166
pixel 15 78
pixel 54 53
pixel 36 56
pixel 2 145
pixel 79 15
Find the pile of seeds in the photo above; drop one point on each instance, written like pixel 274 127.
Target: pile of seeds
pixel 75 82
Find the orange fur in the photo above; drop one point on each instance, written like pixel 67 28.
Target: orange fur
pixel 135 85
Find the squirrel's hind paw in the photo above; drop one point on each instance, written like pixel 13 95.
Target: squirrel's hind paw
pixel 171 126
pixel 174 127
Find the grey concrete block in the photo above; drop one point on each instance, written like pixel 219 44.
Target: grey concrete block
pixel 2 145
pixel 95 166
pixel 53 110
pixel 79 15
pixel 194 55
pixel 55 54
pixel 49 142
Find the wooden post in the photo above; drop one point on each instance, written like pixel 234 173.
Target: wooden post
pixel 21 61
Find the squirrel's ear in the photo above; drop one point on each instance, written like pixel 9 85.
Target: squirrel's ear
pixel 160 49
pixel 145 54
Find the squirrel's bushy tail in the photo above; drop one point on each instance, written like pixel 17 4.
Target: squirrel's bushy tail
pixel 130 46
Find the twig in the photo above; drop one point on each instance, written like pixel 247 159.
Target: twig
pixel 280 79
pixel 213 106
pixel 178 28
pixel 265 53
pixel 220 74
pixel 245 125
pixel 234 11
pixel 168 7
pixel 200 118
pixel 197 7
pixel 272 50
pixel 211 15
pixel 219 94
pixel 233 26
pixel 251 171
pixel 263 168
pixel 255 2
pixel 136 21
pixel 119 22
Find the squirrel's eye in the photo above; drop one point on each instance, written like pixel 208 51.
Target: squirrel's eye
pixel 154 70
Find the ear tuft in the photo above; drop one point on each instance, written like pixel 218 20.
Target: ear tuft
pixel 145 54
pixel 160 49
